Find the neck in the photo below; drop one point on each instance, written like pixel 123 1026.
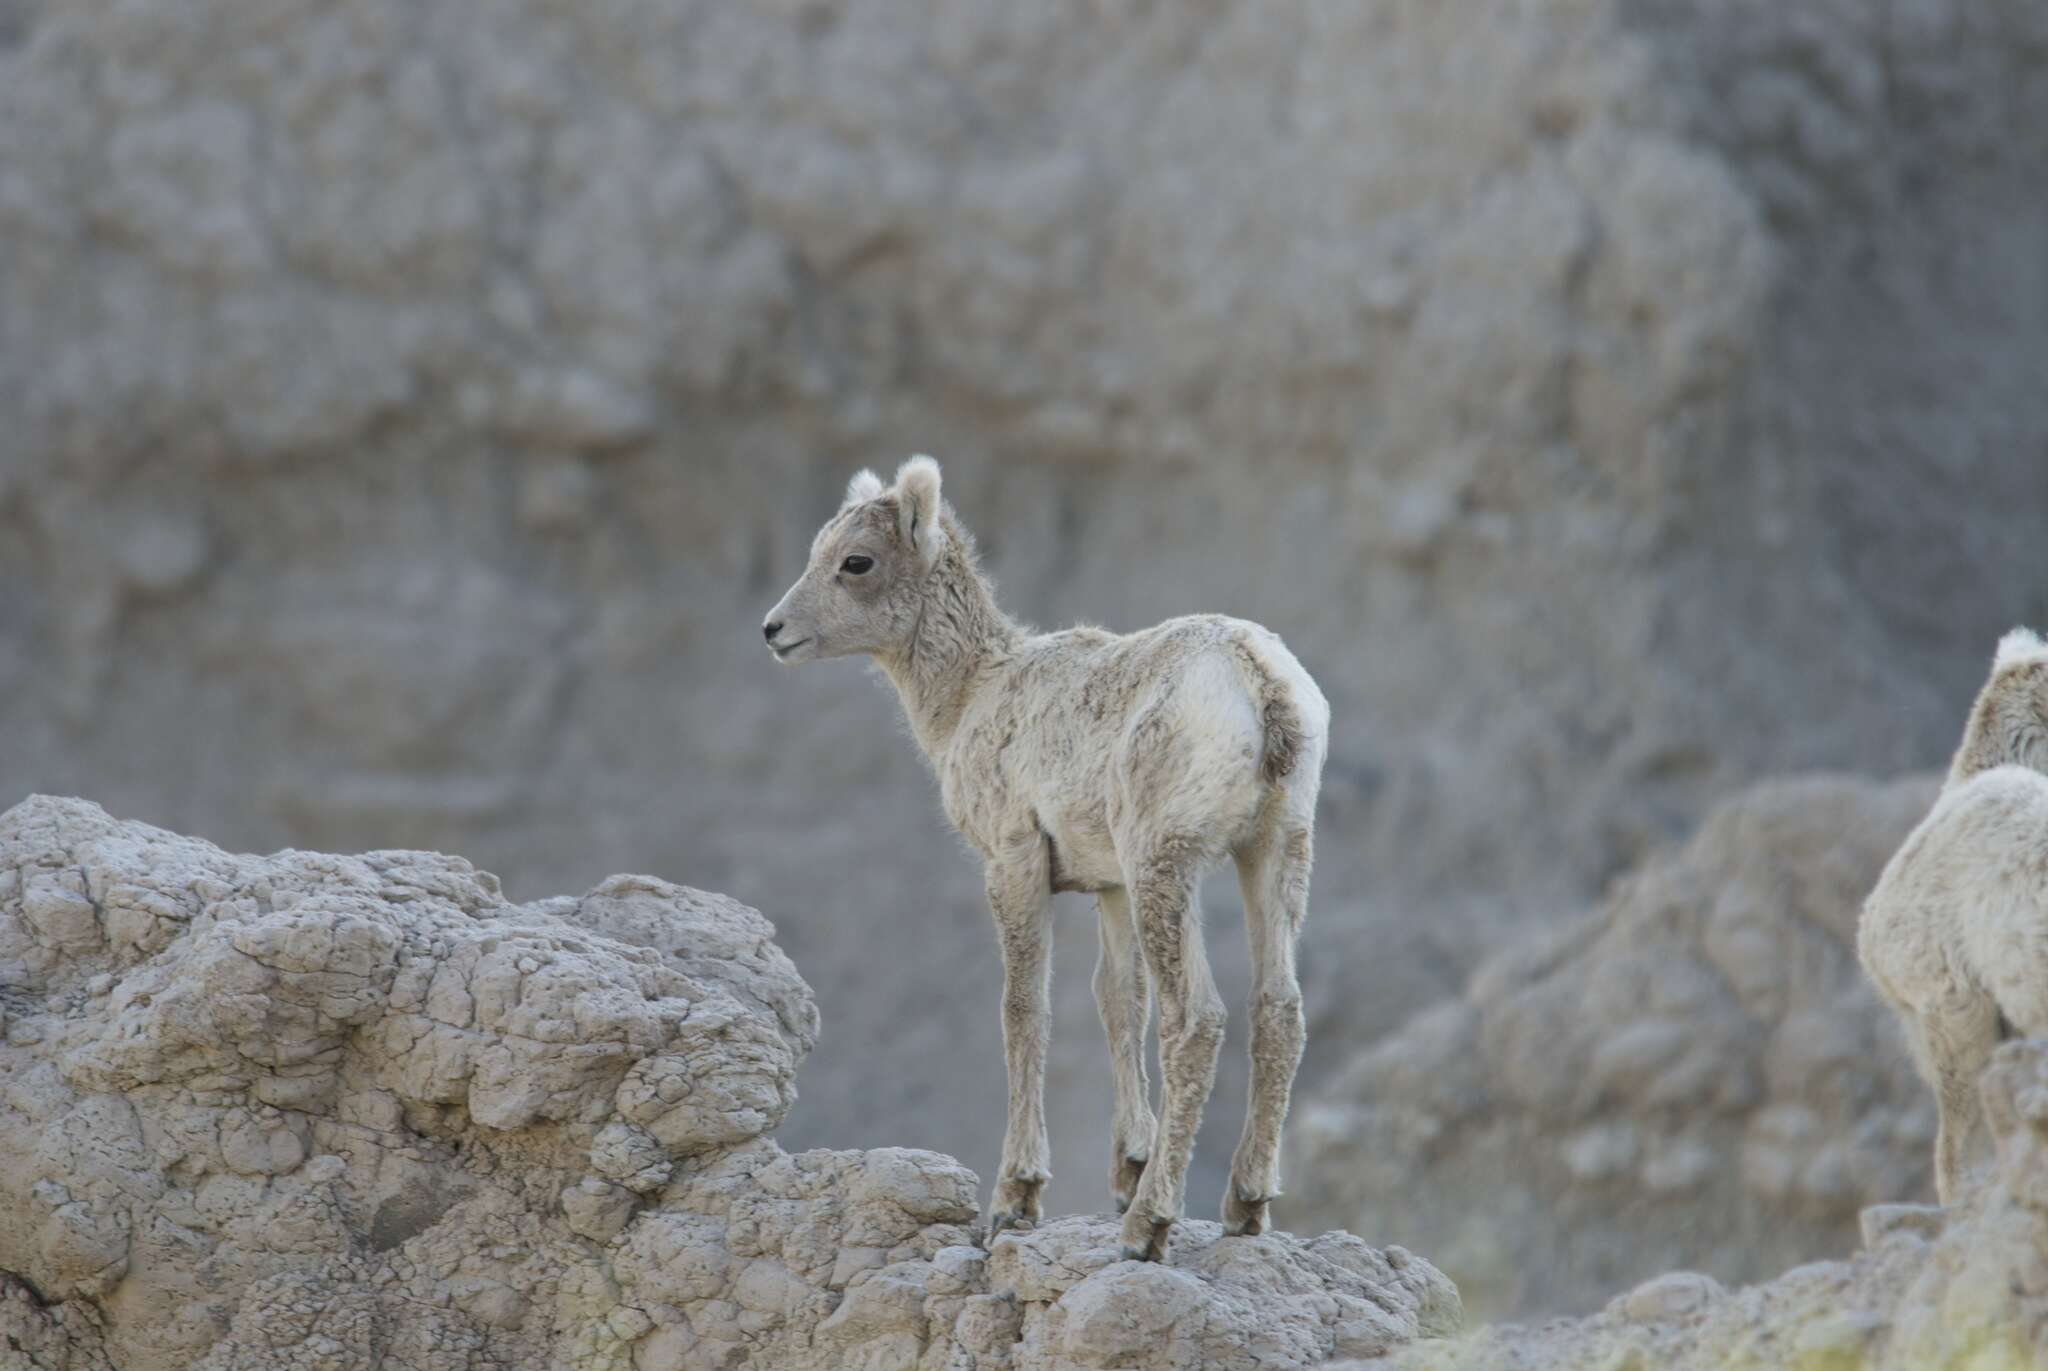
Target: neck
pixel 959 630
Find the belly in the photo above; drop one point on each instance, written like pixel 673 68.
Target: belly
pixel 1083 859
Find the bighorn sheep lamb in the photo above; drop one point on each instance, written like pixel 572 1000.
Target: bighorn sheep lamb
pixel 1119 765
pixel 1955 934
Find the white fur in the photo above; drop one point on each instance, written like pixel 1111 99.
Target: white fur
pixel 1955 935
pixel 917 486
pixel 2020 642
pixel 1123 766
pixel 864 487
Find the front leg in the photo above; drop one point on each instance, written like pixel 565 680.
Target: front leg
pixel 1020 896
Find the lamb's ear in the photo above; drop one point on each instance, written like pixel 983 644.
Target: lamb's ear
pixel 864 487
pixel 917 514
pixel 2020 642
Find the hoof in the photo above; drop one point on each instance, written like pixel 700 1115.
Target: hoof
pixel 1014 1207
pixel 1244 1218
pixel 1006 1221
pixel 1143 1241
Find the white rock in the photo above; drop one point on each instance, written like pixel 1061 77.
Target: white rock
pixel 361 1117
pixel 1670 1296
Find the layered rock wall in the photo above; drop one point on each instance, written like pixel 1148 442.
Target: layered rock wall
pixel 411 411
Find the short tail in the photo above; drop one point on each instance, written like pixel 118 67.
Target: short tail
pixel 1282 726
pixel 1281 731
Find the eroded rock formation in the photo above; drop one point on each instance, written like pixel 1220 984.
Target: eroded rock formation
pixel 1695 1075
pixel 1932 1290
pixel 411 410
pixel 364 1114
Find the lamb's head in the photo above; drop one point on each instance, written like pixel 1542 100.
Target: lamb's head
pixel 870 568
pixel 2009 723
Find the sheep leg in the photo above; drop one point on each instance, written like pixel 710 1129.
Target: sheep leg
pixel 1020 895
pixel 1956 1041
pixel 1955 1097
pixel 1123 996
pixel 1190 1037
pixel 1274 879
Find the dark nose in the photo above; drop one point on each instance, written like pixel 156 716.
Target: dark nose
pixel 769 631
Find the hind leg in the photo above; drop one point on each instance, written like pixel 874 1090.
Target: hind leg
pixel 1123 996
pixel 1190 1037
pixel 1273 873
pixel 1954 1040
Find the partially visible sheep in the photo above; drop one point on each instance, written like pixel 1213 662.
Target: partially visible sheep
pixel 1123 766
pixel 1955 935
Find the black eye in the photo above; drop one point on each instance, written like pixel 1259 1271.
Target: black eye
pixel 857 565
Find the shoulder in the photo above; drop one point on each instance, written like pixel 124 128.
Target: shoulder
pixel 1973 834
pixel 2001 797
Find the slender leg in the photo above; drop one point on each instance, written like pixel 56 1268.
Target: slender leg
pixel 1190 1036
pixel 1274 879
pixel 1123 995
pixel 1956 1039
pixel 1955 1100
pixel 1019 895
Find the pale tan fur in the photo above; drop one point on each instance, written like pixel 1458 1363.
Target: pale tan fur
pixel 1955 934
pixel 1119 765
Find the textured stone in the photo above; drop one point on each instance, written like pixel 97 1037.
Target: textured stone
pixel 1880 1221
pixel 411 411
pixel 1669 1296
pixel 422 1194
pixel 1695 1074
pixel 1973 1295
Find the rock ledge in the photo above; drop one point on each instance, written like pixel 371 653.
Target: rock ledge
pixel 341 1113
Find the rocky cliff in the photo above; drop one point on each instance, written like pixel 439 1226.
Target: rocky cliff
pixel 411 411
pixel 364 1114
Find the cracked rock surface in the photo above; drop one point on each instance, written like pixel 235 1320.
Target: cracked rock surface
pixel 326 1113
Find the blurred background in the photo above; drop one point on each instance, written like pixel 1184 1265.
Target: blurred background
pixel 408 413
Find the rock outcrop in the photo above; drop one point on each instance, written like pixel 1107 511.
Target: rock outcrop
pixel 1933 1290
pixel 411 411
pixel 1697 1075
pixel 317 1113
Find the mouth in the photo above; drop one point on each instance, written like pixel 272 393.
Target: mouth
pixel 782 650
